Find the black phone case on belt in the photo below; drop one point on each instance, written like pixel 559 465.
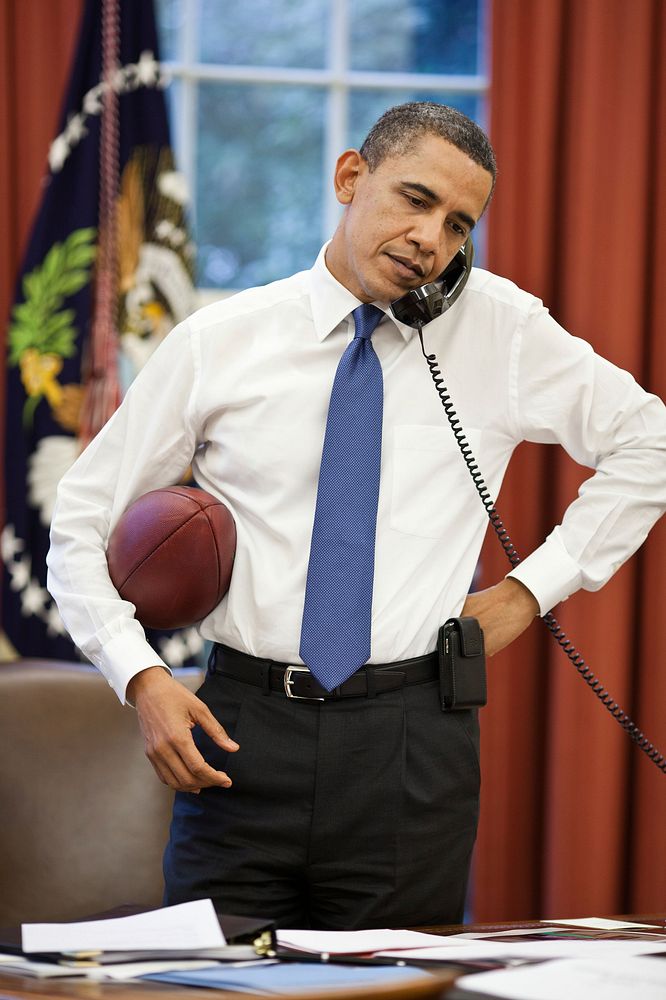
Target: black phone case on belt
pixel 462 664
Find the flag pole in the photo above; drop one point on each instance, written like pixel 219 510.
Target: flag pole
pixel 102 392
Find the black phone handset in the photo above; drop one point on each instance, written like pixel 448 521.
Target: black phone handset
pixel 417 308
pixel 421 305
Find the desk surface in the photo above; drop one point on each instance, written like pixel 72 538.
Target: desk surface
pixel 29 988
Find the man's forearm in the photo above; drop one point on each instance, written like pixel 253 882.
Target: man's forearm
pixel 503 611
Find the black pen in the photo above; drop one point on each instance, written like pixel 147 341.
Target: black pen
pixel 325 958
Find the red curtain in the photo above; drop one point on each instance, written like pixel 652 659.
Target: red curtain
pixel 572 813
pixel 36 46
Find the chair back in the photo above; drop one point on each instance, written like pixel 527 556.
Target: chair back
pixel 83 817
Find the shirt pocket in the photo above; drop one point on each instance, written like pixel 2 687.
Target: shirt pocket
pixel 428 469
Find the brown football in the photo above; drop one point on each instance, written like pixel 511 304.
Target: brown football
pixel 171 554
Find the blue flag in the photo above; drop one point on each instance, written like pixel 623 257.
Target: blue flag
pixel 107 274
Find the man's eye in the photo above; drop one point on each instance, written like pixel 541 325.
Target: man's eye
pixel 457 228
pixel 416 202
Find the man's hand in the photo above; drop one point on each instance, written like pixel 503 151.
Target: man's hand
pixel 167 714
pixel 503 611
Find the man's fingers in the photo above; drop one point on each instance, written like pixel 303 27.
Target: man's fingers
pixel 201 772
pixel 166 775
pixel 184 767
pixel 172 770
pixel 212 727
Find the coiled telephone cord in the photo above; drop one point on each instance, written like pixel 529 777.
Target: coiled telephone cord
pixel 549 620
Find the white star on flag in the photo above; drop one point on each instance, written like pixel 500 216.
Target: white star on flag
pixel 20 573
pixel 10 545
pixel 33 599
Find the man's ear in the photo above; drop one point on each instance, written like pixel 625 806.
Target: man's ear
pixel 348 169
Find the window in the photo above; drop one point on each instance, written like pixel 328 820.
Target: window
pixel 267 93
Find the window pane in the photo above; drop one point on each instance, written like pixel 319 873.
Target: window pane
pixel 173 93
pixel 416 36
pixel 366 106
pixel 264 33
pixel 259 182
pixel 170 15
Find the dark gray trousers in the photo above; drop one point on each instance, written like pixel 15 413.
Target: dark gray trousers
pixel 342 815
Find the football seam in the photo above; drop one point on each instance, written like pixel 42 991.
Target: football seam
pixel 158 547
pixel 216 547
pixel 175 491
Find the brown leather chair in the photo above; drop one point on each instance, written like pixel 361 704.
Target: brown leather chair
pixel 83 817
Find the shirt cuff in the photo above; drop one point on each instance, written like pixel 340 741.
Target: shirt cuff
pixel 549 573
pixel 123 657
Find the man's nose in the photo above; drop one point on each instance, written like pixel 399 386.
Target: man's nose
pixel 427 233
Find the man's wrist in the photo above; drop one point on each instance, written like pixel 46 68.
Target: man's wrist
pixel 143 680
pixel 549 573
pixel 521 594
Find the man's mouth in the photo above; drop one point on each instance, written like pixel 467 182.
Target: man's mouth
pixel 407 267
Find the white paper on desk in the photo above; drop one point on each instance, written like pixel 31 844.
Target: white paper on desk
pixel 575 979
pixel 20 966
pixel 467 951
pixel 535 951
pixel 601 924
pixel 133 970
pixel 354 942
pixel 181 927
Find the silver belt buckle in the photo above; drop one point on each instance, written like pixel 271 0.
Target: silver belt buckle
pixel 288 681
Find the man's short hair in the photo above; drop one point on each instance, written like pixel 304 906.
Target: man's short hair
pixel 402 126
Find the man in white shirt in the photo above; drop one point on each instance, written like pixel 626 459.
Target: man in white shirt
pixel 361 809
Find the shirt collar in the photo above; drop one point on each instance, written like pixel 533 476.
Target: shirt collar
pixel 331 302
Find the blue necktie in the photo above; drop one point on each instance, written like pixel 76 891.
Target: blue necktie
pixel 335 635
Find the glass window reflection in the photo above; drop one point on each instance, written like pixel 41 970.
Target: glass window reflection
pixel 259 182
pixel 264 32
pixel 416 36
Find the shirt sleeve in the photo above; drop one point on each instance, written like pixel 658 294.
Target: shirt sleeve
pixel 565 393
pixel 147 444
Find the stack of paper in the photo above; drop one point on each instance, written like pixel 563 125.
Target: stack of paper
pixel 355 942
pixel 585 940
pixel 176 937
pixel 184 927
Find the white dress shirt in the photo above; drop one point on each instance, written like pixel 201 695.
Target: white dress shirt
pixel 240 390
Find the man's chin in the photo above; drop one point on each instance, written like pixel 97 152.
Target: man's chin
pixel 389 291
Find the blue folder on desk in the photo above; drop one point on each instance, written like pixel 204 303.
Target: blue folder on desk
pixel 277 978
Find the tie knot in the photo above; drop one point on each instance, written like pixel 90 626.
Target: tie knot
pixel 366 318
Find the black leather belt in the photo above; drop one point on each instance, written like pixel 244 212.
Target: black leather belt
pixel 296 681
